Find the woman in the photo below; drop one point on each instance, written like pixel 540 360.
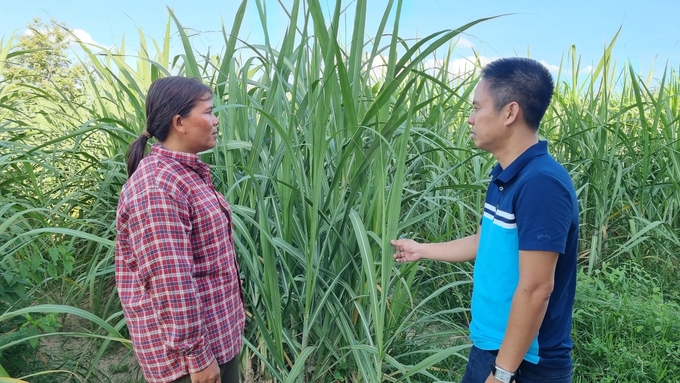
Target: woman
pixel 176 269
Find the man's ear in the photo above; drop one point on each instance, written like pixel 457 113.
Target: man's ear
pixel 512 113
pixel 177 124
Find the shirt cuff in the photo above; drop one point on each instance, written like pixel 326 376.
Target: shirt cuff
pixel 199 358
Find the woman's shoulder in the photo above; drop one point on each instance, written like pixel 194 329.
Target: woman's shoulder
pixel 163 174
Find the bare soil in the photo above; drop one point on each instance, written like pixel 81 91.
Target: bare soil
pixel 75 354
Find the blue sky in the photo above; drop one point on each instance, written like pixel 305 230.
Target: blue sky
pixel 542 29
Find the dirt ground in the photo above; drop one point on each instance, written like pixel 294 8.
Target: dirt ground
pixel 116 365
pixel 76 355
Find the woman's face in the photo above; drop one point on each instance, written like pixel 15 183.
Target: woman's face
pixel 200 127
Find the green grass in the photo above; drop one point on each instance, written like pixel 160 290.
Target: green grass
pixel 324 163
pixel 626 326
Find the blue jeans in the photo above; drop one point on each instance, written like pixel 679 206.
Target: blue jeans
pixel 480 363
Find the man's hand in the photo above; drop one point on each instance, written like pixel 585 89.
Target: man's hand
pixel 491 379
pixel 459 250
pixel 408 250
pixel 210 374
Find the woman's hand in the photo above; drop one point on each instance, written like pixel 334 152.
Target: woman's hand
pixel 210 374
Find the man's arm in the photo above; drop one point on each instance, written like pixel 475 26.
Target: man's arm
pixel 459 250
pixel 529 305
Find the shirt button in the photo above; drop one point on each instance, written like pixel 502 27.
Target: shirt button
pixel 500 188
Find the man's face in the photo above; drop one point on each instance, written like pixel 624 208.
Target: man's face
pixel 487 129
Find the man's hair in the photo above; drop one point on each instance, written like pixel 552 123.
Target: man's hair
pixel 522 80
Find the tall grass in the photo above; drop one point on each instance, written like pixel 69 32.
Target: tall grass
pixel 317 177
pixel 58 190
pixel 617 132
pixel 328 149
pixel 626 326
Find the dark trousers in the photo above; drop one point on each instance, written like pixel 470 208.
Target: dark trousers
pixel 480 364
pixel 228 371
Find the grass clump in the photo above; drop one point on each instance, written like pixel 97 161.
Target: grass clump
pixel 626 329
pixel 330 147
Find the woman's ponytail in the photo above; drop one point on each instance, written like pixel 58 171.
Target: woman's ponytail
pixel 136 152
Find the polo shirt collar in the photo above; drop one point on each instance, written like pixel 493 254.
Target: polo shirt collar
pixel 501 176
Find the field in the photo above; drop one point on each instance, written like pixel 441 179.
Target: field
pixel 328 149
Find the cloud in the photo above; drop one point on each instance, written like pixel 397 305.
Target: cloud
pixel 468 64
pixel 73 39
pixel 556 69
pixel 79 36
pixel 458 67
pixel 462 42
pixel 551 67
pixel 82 36
pixel 463 66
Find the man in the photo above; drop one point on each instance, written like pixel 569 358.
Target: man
pixel 525 250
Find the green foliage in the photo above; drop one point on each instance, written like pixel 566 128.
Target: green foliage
pixel 329 147
pixel 626 326
pixel 13 361
pixel 16 329
pixel 44 65
pixel 55 218
pixel 617 134
pixel 20 282
pixel 315 161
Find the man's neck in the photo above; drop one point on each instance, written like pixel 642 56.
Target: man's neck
pixel 515 146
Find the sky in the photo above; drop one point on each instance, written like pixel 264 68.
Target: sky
pixel 545 30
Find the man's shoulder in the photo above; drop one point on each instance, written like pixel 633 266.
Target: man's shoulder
pixel 546 167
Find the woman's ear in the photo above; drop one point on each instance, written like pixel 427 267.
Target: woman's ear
pixel 177 124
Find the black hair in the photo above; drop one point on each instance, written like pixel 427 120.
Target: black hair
pixel 522 80
pixel 167 97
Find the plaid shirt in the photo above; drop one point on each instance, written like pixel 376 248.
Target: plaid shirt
pixel 176 269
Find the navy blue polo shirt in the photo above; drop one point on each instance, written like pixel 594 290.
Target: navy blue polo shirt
pixel 530 205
